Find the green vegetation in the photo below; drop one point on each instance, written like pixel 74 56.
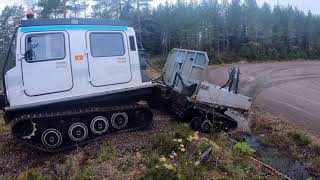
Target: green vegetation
pixel 3 127
pixel 244 149
pixel 275 130
pixel 300 138
pixel 30 175
pixel 157 62
pixel 173 155
pixel 76 166
pixel 105 154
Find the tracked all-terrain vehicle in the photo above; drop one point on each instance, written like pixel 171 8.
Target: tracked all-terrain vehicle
pixel 76 80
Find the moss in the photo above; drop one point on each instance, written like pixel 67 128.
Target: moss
pixel 105 154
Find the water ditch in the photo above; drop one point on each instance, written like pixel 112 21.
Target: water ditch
pixel 279 160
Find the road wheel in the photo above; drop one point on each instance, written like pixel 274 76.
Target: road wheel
pixel 99 125
pixel 51 138
pixel 78 132
pixel 119 120
pixel 206 126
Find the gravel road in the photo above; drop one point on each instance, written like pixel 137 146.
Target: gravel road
pixel 291 89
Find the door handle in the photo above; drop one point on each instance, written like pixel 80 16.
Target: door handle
pixel 61 65
pixel 121 60
pixel 61 62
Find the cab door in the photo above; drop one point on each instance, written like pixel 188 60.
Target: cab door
pixel 45 66
pixel 108 58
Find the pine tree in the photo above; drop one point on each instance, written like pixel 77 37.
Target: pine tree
pixel 50 8
pixel 9 19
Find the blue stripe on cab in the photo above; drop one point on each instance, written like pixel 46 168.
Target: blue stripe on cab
pixel 72 27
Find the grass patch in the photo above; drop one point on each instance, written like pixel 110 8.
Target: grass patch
pixel 32 174
pixel 105 154
pixel 278 131
pixel 244 149
pixel 3 127
pixel 173 155
pixel 76 166
pixel 157 62
pixel 300 138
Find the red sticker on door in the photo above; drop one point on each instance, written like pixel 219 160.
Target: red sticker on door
pixel 79 57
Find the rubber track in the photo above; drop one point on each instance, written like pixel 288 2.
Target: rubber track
pixel 77 112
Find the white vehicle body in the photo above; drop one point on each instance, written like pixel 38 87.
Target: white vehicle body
pixel 87 60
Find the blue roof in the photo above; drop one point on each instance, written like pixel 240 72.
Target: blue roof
pixel 72 21
pixel 71 27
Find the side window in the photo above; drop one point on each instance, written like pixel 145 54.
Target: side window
pixel 132 43
pixel 106 44
pixel 44 47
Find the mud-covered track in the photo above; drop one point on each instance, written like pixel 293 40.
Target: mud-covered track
pixel 61 122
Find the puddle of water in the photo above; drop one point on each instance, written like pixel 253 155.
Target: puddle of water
pixel 280 160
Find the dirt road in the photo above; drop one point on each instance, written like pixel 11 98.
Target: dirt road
pixel 291 89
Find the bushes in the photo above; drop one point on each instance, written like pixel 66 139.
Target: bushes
pixel 31 174
pixel 182 131
pixel 161 144
pixel 300 138
pixel 253 54
pixel 173 155
pixel 244 149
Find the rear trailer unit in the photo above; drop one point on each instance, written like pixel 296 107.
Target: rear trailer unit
pixel 207 107
pixel 74 80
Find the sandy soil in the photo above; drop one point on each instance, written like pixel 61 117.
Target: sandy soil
pixel 291 89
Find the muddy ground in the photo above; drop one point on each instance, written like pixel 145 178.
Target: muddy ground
pixel 291 89
pixel 16 158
